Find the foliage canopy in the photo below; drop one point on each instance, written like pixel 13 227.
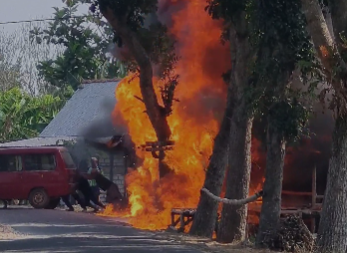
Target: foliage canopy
pixel 280 44
pixel 24 116
pixel 84 57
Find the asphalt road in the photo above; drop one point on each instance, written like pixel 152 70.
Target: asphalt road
pixel 61 231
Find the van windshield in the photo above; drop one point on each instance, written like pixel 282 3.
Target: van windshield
pixel 69 163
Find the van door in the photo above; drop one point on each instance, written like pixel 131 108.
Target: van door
pixel 41 171
pixel 69 165
pixel 10 177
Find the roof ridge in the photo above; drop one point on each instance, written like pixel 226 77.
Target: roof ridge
pixel 100 81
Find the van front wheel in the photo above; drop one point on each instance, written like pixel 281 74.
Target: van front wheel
pixel 39 199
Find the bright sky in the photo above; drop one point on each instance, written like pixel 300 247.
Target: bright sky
pixel 18 10
pixel 25 10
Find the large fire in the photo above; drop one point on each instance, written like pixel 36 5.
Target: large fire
pixel 194 122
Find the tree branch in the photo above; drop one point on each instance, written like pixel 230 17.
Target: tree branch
pixel 334 66
pixel 150 100
pixel 138 98
pixel 233 201
pixel 338 10
pixel 319 32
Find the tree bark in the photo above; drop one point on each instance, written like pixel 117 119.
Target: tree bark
pixel 233 222
pixel 338 10
pixel 206 215
pixel 332 232
pixel 154 110
pixel 326 47
pixel 271 207
pixel 234 217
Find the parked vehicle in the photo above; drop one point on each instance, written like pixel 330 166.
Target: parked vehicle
pixel 41 175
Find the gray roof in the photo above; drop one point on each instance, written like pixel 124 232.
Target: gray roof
pixel 87 114
pixel 48 141
pixel 36 142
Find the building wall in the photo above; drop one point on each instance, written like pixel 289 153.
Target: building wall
pixel 81 151
pixel 119 169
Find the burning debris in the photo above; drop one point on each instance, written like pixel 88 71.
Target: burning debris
pixel 292 236
pixel 113 194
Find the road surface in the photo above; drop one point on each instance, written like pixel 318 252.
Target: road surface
pixel 61 231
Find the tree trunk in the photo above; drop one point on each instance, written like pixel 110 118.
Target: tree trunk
pixel 206 216
pixel 332 228
pixel 326 47
pixel 332 232
pixel 272 189
pixel 234 217
pixel 155 112
pixel 233 221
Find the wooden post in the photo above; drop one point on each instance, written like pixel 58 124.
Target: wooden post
pixel 182 225
pixel 314 198
pixel 314 187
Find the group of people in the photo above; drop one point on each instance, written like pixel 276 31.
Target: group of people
pixel 86 191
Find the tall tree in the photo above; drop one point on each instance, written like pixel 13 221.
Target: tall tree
pixel 277 52
pixel 284 45
pixel 206 215
pixel 19 59
pixel 84 41
pixel 331 50
pixel 240 115
pixel 126 18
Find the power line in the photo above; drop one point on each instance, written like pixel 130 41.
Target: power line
pixel 44 19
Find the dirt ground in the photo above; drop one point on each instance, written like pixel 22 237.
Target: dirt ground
pixel 211 246
pixel 205 244
pixel 7 233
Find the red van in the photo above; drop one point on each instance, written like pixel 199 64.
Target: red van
pixel 41 175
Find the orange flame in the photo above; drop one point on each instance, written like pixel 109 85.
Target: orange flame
pixel 194 122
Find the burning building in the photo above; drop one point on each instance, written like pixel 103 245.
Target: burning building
pixel 194 124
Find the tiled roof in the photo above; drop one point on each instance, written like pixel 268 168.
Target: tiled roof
pixel 87 113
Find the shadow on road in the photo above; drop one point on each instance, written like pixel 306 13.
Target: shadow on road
pixel 59 231
pixel 92 244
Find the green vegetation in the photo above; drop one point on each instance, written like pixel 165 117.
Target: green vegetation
pixel 24 116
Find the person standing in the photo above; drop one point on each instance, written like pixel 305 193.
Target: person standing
pixel 66 200
pixel 84 187
pixel 93 185
pixel 75 195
